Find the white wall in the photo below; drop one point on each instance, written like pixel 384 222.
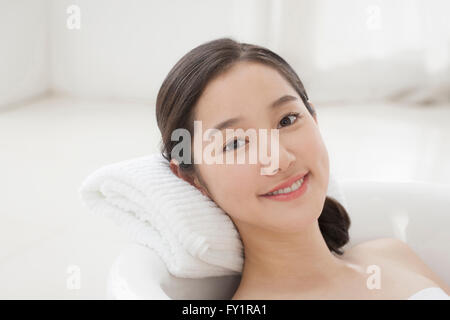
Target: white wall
pixel 124 49
pixel 24 56
pixel 353 50
pixel 341 50
pixel 358 50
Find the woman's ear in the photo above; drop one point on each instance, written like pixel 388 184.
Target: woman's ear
pixel 175 168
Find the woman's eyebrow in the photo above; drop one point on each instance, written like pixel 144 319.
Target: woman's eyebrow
pixel 232 121
pixel 280 101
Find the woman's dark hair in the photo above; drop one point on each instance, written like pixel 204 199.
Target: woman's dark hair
pixel 183 86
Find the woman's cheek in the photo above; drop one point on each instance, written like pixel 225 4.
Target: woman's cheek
pixel 241 183
pixel 233 183
pixel 319 159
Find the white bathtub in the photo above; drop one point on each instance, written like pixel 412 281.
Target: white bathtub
pixel 415 212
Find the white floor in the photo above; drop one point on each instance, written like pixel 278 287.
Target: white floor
pixel 48 147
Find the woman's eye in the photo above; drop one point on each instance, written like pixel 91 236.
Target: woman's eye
pixel 291 118
pixel 293 115
pixel 233 145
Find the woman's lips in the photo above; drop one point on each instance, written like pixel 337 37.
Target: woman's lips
pixel 287 183
pixel 291 195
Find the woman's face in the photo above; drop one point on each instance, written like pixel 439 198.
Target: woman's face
pixel 246 91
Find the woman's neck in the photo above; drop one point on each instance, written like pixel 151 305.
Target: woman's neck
pixel 288 260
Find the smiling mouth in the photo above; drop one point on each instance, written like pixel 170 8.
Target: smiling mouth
pixel 289 186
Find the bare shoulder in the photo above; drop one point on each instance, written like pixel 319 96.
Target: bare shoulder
pixel 393 249
pixel 396 250
pixel 382 246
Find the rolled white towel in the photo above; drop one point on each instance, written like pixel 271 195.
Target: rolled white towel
pixel 193 236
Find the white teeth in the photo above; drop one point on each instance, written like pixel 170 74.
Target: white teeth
pixel 297 184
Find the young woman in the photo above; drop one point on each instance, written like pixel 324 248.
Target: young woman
pixel 292 241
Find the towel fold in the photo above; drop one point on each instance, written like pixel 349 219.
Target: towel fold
pixel 192 235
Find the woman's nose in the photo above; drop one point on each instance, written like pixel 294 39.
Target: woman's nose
pixel 285 162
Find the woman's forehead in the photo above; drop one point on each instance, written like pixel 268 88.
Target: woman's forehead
pixel 244 88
